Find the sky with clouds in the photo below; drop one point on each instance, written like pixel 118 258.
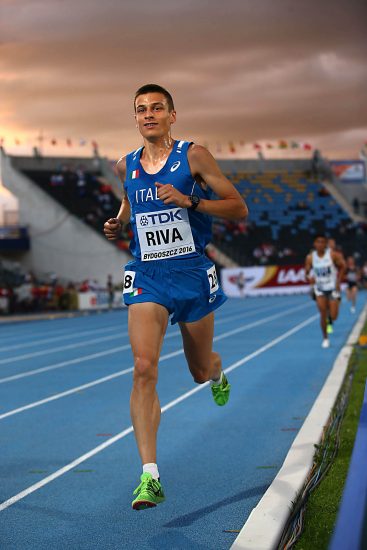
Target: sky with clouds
pixel 239 70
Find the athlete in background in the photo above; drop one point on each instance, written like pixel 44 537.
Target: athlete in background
pixel 338 251
pixel 325 270
pixel 168 187
pixel 352 276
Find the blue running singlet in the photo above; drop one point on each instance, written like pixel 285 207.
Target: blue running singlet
pixel 169 266
pixel 160 230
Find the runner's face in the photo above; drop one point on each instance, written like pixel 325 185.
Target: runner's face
pixel 152 115
pixel 320 244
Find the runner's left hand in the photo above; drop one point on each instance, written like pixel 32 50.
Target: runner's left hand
pixel 170 195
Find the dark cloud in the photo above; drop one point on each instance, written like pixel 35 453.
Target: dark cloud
pixel 238 69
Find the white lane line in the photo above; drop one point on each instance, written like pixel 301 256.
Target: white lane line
pixel 78 360
pixel 68 334
pixel 244 360
pixel 80 388
pixel 64 364
pixel 126 371
pixel 128 430
pixel 47 351
pixel 17 336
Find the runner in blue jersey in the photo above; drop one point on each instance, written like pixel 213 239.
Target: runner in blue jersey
pixel 168 188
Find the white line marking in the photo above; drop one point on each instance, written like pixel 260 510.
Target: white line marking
pixel 78 360
pixel 64 364
pixel 128 430
pixel 18 336
pixel 266 521
pixel 16 358
pixel 130 369
pixel 68 334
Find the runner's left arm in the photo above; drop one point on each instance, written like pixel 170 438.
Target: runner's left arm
pixel 205 169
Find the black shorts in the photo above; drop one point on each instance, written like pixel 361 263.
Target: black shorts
pixel 329 294
pixel 351 284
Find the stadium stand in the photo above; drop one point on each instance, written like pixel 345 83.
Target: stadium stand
pixel 84 193
pixel 287 208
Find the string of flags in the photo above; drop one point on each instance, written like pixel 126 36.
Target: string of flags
pixel 42 140
pixel 280 144
pixel 232 147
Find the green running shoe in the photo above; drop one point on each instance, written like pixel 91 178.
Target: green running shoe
pixel 329 328
pixel 221 391
pixel 150 493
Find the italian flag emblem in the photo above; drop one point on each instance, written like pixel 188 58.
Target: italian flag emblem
pixel 136 292
pixel 134 174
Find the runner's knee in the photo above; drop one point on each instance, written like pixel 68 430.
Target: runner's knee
pixel 145 370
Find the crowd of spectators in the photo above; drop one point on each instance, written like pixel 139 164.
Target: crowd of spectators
pixel 248 244
pixel 86 194
pixel 29 294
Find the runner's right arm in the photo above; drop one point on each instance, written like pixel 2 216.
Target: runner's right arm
pixel 308 267
pixel 113 226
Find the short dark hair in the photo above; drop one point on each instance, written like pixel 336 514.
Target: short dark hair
pixel 320 236
pixel 155 88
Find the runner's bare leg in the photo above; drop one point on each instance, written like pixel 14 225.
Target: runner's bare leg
pixel 147 326
pixel 204 364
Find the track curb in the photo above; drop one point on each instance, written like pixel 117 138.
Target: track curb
pixel 264 526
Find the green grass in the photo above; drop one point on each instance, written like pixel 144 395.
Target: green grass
pixel 323 503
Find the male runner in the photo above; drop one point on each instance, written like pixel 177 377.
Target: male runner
pixel 352 276
pixel 336 249
pixel 328 269
pixel 168 188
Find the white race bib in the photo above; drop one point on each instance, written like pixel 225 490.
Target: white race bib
pixel 129 277
pixel 213 279
pixel 164 234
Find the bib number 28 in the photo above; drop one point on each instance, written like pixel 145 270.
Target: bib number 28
pixel 213 279
pixel 129 277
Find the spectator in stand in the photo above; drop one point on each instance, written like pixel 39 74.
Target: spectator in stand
pixel 110 291
pixel 56 180
pixel 72 297
pixel 81 183
pixel 356 205
pixel 84 287
pixel 24 295
pixel 316 164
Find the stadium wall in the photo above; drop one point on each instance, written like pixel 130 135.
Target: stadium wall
pixel 60 243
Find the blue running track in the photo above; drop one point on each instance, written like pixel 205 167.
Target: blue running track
pixel 69 463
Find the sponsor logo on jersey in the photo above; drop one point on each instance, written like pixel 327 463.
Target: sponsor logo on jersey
pixel 161 218
pixel 164 234
pixel 175 165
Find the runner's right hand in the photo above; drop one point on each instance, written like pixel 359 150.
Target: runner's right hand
pixel 111 228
